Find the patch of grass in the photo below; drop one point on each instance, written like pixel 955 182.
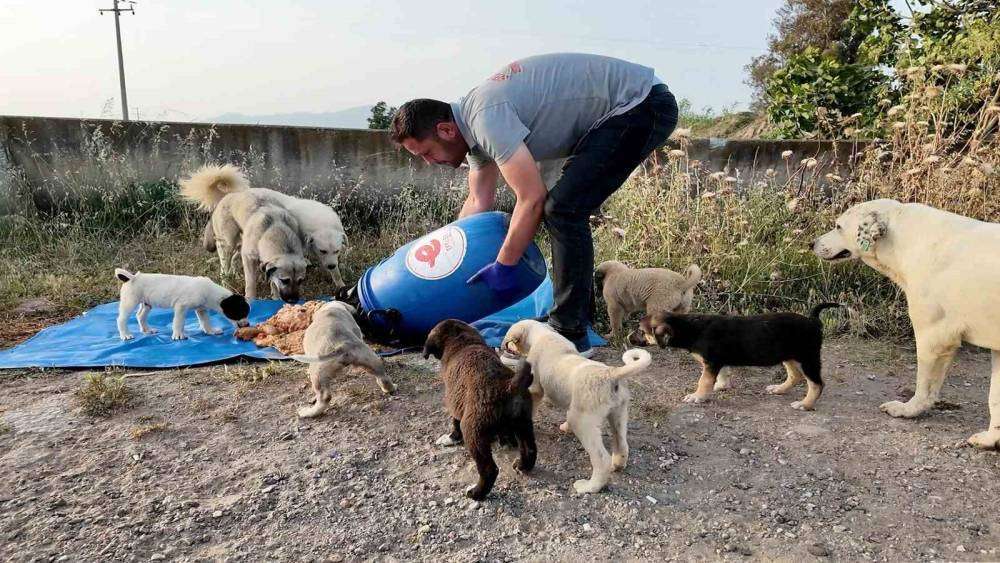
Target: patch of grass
pixel 138 432
pixel 257 373
pixel 5 427
pixel 104 394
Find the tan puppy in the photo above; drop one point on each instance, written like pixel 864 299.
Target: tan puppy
pixel 591 392
pixel 649 290
pixel 332 342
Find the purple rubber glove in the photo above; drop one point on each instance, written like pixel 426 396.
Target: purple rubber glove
pixel 499 277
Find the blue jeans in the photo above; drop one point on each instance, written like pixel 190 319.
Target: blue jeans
pixel 601 162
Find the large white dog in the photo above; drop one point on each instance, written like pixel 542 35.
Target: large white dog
pixel 949 267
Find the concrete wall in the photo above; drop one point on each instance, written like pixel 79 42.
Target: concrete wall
pixel 46 150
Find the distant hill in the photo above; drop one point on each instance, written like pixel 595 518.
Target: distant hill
pixel 350 118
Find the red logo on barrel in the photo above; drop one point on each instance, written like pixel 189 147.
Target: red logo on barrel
pixel 428 252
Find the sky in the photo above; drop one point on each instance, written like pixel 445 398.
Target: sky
pixel 187 60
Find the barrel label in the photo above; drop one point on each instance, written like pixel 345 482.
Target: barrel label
pixel 438 254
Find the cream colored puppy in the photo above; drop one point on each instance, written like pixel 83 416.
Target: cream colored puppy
pixel 949 267
pixel 649 290
pixel 333 342
pixel 591 392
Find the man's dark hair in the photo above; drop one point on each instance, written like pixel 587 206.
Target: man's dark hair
pixel 417 119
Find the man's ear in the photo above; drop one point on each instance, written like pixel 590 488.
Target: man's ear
pixel 447 130
pixel 871 228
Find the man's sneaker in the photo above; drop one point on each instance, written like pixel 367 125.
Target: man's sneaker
pixel 583 346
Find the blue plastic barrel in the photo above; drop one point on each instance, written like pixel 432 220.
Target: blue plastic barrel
pixel 425 280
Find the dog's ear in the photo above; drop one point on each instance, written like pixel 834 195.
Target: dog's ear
pixel 432 346
pixel 871 228
pixel 268 269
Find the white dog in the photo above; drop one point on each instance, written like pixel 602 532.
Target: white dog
pixel 320 227
pixel 333 342
pixel 590 391
pixel 949 267
pixel 267 235
pixel 179 293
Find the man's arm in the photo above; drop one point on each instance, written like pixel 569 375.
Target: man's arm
pixel 482 189
pixel 521 174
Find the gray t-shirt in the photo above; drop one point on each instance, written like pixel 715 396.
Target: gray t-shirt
pixel 549 102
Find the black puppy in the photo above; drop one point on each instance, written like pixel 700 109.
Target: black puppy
pixel 486 400
pixel 761 340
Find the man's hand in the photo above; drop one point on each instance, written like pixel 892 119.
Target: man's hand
pixel 482 190
pixel 499 277
pixel 521 174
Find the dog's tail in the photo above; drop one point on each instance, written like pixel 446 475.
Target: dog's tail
pixel 124 275
pixel 819 308
pixel 635 360
pixel 692 276
pixel 522 378
pixel 306 359
pixel 210 183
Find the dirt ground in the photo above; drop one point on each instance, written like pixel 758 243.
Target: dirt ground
pixel 224 471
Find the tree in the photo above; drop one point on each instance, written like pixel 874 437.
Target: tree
pixel 799 25
pixel 381 116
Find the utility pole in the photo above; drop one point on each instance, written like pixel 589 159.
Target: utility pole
pixel 121 63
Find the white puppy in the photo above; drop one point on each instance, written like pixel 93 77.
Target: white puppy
pixel 332 342
pixel 591 392
pixel 179 293
pixel 949 267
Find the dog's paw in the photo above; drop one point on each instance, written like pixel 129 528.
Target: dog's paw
pixel 721 385
pixel 178 337
pixel 618 462
pixel 986 440
pixel 125 337
pixel 775 390
pixel 695 398
pixel 151 331
pixel 214 332
pixel 447 440
pixel 475 492
pixel 388 388
pixel 522 467
pixel 564 427
pixel 902 410
pixel 801 406
pixel 584 487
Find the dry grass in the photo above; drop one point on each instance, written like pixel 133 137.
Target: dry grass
pixel 104 394
pixel 138 432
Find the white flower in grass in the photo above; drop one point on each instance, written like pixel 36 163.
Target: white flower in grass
pixel 708 195
pixel 717 176
pixel 743 243
pixel 850 131
pixel 894 110
pixel 676 154
pixel 937 68
pixel 681 133
pixel 798 232
pixel 770 173
pixel 932 159
pixel 792 204
pixel 730 180
pixel 810 163
pixel 969 161
pixel 775 276
pixel 834 178
pixel 932 92
pixel 899 125
pixel 786 154
pixel 619 232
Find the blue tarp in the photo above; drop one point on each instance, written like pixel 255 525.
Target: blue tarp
pixel 494 327
pixel 91 340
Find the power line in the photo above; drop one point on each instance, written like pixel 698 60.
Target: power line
pixel 121 62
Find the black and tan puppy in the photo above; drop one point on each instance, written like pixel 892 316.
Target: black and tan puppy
pixel 761 340
pixel 486 400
